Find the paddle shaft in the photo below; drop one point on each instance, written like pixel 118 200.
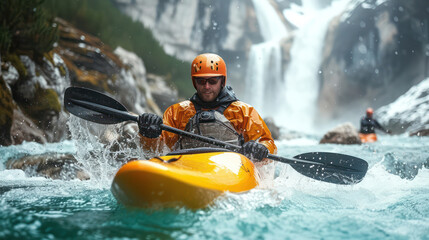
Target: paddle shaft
pixel 324 166
pixel 126 116
pixel 229 145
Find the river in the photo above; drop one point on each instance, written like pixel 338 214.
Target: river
pixel 390 203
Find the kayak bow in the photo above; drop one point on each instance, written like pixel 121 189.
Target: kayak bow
pixel 367 137
pixel 183 180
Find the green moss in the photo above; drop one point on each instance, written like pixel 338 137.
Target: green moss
pixel 62 70
pixel 49 56
pixel 45 100
pixel 26 27
pixel 6 113
pixel 6 105
pixel 16 62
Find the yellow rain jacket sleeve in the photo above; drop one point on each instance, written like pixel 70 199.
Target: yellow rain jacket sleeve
pixel 243 117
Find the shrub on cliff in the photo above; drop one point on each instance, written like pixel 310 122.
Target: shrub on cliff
pixel 26 29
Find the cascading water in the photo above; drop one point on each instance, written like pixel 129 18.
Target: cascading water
pixel 301 76
pixel 289 97
pixel 264 65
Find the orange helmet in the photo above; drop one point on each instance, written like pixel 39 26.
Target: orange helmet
pixel 208 65
pixel 369 112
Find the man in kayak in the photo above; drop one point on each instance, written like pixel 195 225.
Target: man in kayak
pixel 368 124
pixel 213 111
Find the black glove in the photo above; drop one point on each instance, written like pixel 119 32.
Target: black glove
pixel 255 151
pixel 150 125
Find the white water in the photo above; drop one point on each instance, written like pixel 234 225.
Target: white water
pixel 290 96
pixel 383 205
pixel 264 65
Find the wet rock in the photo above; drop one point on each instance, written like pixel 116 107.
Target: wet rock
pixel 162 94
pixel 420 133
pixel 36 89
pixel 274 129
pixel 24 129
pixel 342 134
pixel 31 92
pixel 94 65
pixel 50 165
pixel 6 113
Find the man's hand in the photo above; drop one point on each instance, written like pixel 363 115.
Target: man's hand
pixel 254 151
pixel 150 125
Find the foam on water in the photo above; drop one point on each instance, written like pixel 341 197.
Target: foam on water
pixel 286 205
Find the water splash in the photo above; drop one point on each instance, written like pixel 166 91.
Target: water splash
pixel 101 150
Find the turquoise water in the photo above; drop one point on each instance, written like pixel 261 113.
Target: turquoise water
pixel 390 203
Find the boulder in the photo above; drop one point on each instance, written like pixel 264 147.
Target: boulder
pixel 24 129
pixel 420 132
pixel 50 165
pixel 274 129
pixel 343 134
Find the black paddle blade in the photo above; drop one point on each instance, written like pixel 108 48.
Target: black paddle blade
pixel 335 168
pixel 93 106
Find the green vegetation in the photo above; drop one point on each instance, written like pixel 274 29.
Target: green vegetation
pixel 102 19
pixel 6 113
pixel 44 101
pixel 26 29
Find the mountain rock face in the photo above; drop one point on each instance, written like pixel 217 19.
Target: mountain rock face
pixel 31 92
pixel 188 28
pixel 374 53
pixel 409 113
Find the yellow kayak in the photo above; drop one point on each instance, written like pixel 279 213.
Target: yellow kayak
pixel 192 178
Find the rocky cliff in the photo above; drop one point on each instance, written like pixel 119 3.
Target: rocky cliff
pixel 408 113
pixel 374 52
pixel 188 28
pixel 31 106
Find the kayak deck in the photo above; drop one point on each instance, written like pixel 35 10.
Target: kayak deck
pixel 191 180
pixel 367 137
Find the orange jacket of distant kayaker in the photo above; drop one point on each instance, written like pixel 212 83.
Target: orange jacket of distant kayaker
pixel 243 117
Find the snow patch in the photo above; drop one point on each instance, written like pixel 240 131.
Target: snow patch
pixel 410 110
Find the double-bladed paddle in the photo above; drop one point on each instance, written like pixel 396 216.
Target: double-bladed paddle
pixel 324 166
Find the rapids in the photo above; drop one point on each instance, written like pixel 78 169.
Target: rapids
pixel 391 202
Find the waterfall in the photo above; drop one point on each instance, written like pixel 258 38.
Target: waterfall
pixel 289 97
pixel 264 74
pixel 301 76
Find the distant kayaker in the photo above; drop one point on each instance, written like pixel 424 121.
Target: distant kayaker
pixel 368 124
pixel 213 111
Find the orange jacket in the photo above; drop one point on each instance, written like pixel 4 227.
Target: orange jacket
pixel 243 117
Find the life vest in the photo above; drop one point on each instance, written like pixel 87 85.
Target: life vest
pixel 210 123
